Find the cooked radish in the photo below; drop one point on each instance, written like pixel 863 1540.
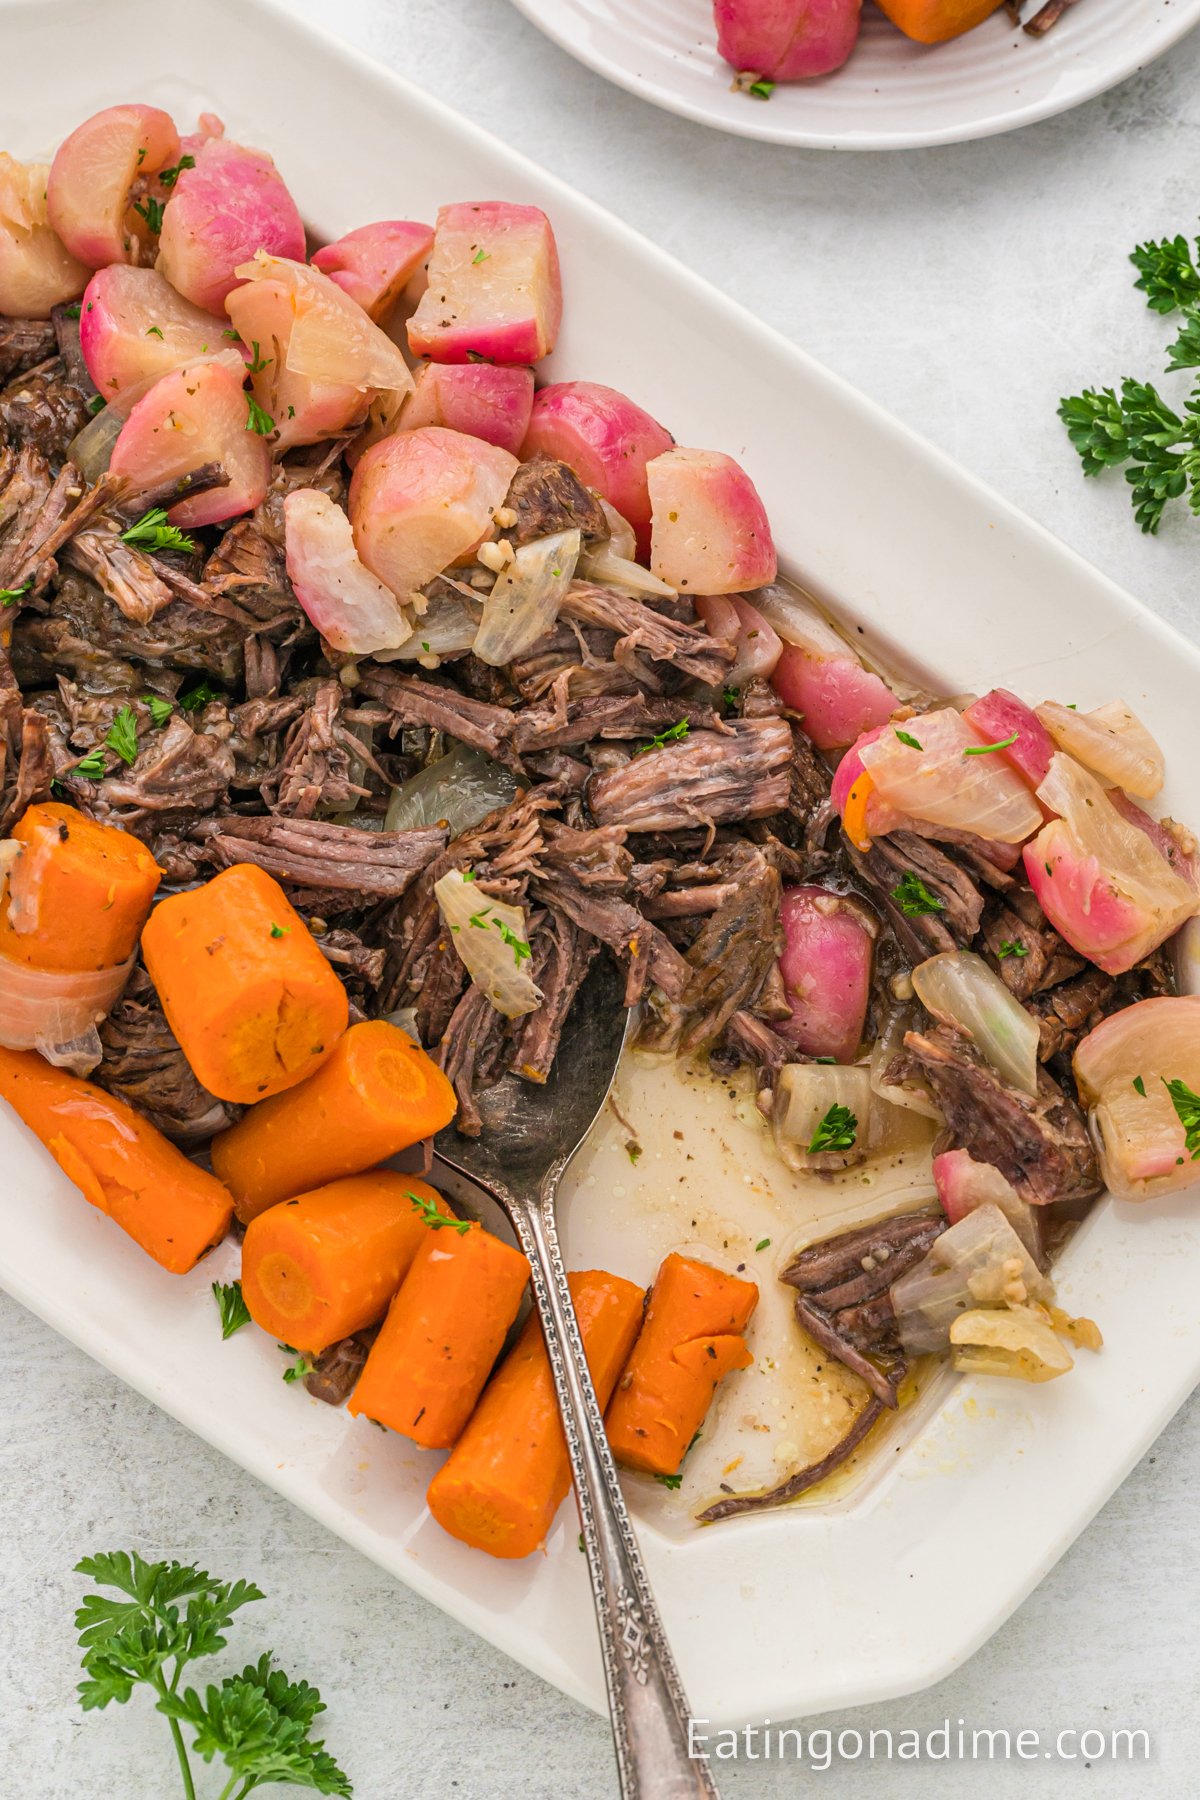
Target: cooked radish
pixel 349 606
pixel 422 500
pixel 37 271
pixel 494 294
pixel 710 533
pixel 606 439
pixel 1000 718
pixel 92 173
pixel 828 943
pixel 317 358
pixel 133 324
pixel 375 263
pixel 487 402
pixel 787 40
pixel 196 415
pixel 230 205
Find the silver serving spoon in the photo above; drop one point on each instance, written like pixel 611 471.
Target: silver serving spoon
pixel 530 1133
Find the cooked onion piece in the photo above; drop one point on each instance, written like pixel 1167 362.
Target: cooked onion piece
pixel 827 1117
pixel 979 1262
pixel 524 602
pixel 1134 1072
pixel 950 777
pixel 963 1185
pixel 960 989
pixel 1111 741
pixel 489 936
pixel 462 788
pixel 1018 1342
pixel 56 1011
pixel 757 644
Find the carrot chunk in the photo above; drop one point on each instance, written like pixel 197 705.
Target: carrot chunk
pixel 690 1341
pixel 254 1004
pixel 443 1332
pixel 509 1472
pixel 78 892
pixel 321 1266
pixel 118 1161
pixel 933 21
pixel 377 1093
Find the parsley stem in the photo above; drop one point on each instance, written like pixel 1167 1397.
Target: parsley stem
pixel 189 1786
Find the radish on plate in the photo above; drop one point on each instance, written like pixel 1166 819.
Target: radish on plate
pixel 196 415
pixel 709 529
pixel 351 608
pixel 132 324
pixel 787 40
pixel 481 399
pixel 999 716
pixel 230 205
pixel 606 439
pixel 495 293
pixel 375 263
pixel 37 271
pixel 88 192
pixel 836 698
pixel 422 500
pixel 317 359
pixel 828 941
pixel 758 646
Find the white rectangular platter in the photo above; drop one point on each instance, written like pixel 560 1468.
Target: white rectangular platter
pixel 912 1569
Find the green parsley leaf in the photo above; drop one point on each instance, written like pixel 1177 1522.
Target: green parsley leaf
pixel 824 1059
pixel 518 946
pixel 232 1308
pixel 436 1221
pixel 92 766
pixel 1187 1107
pixel 300 1367
pixel 95 405
pixel 229 332
pixel 480 919
pixel 674 735
pixel 154 331
pixel 122 735
pixel 151 532
pixel 986 749
pixel 669 1481
pixel 256 419
pixel 258 1722
pixel 763 1244
pixel 1010 947
pixel 73 311
pixel 278 931
pixel 914 897
pixel 1139 1086
pixel 469 875
pixel 260 362
pixel 1166 274
pixel 169 177
pixel 160 709
pixel 634 1152
pixel 10 596
pixel 730 697
pixel 196 698
pixel 1184 353
pixel 480 256
pixel 1161 447
pixel 906 738
pixel 151 210
pixel 838 1130
pixel 762 90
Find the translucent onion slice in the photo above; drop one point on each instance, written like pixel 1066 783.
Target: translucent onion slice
pixel 462 788
pixel 1111 741
pixel 524 603
pixel 964 1184
pixel 798 620
pixel 447 627
pixel 613 563
pixel 1018 1342
pixel 980 1262
pixel 804 1095
pixel 757 644
pixel 56 1013
pixel 960 989
pixel 331 337
pixel 490 937
pixel 1143 1144
pixel 947 782
pixel 911 1093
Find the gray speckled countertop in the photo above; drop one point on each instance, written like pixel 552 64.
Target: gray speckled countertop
pixel 965 288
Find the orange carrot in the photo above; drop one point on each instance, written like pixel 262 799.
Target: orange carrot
pixel 443 1332
pixel 254 1004
pixel 317 1268
pixel 933 21
pixel 118 1161
pixel 78 892
pixel 690 1341
pixel 509 1472
pixel 377 1093
pixel 854 818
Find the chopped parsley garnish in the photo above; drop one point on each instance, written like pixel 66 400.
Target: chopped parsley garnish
pixel 986 749
pixel 518 946
pixel 169 177
pixel 762 90
pixel 256 419
pixel 838 1130
pixel 669 1481
pixel 763 1244
pixel 914 897
pixel 1187 1106
pixel 302 1366
pixel 10 596
pixel 1139 1086
pixel 230 333
pixel 122 735
pixel 480 256
pixel 469 875
pixel 480 919
pixel 91 766
pixel 278 931
pixel 1010 947
pixel 151 210
pixel 159 709
pixel 260 362
pixel 436 1221
pixel 198 697
pixel 72 311
pixel 155 331
pixel 906 738
pixel 95 405
pixel 425 646
pixel 233 1309
pixel 675 734
pixel 151 532
pixel 634 1153
pixel 730 696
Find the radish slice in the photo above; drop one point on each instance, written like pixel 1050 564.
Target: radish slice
pixel 349 606
pixel 709 529
pixel 232 204
pixel 606 439
pixel 134 326
pixel 193 416
pixel 999 716
pixel 422 500
pixel 787 40
pixel 1135 1071
pixel 826 968
pixel 375 263
pixel 964 1184
pixel 37 271
pixel 482 400
pixel 93 170
pixel 495 293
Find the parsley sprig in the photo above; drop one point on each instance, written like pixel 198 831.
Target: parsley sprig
pixel 1187 1107
pixel 168 1615
pixel 151 532
pixel 674 734
pixel 914 898
pixel 838 1130
pixel 10 596
pixel 231 1306
pixel 436 1221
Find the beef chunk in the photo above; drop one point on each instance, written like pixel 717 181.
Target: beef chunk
pixel 960 908
pixel 547 496
pixel 143 1064
pixel 23 344
pixel 705 778
pixel 43 410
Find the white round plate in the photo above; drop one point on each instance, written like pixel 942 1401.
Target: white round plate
pixel 892 94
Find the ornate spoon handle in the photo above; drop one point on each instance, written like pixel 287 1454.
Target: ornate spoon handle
pixel 646 1699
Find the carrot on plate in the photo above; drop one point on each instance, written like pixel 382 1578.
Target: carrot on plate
pixel 509 1472
pixel 318 1268
pixel 254 1004
pixel 377 1093
pixel 78 893
pixel 443 1332
pixel 690 1341
pixel 934 21
pixel 118 1161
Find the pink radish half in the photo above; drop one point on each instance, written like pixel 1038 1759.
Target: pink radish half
pixel 421 500
pixel 375 263
pixel 233 203
pixel 132 324
pixel 193 416
pixel 787 40
pixel 92 173
pixel 495 293
pixel 606 439
pixel 710 533
pixel 481 399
